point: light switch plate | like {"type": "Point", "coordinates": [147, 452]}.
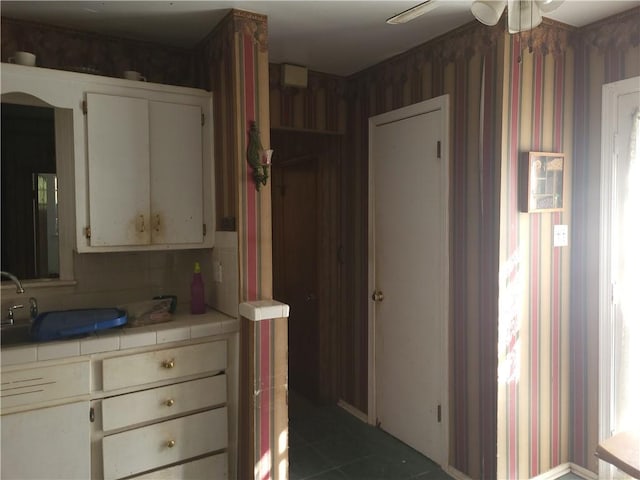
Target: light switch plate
{"type": "Point", "coordinates": [217, 271]}
{"type": "Point", "coordinates": [560, 235]}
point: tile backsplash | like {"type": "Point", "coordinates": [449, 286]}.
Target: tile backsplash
{"type": "Point", "coordinates": [113, 279]}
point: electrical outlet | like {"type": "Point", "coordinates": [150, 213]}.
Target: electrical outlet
{"type": "Point", "coordinates": [560, 235]}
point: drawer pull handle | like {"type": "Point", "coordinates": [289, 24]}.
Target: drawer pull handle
{"type": "Point", "coordinates": [170, 402]}
{"type": "Point", "coordinates": [169, 363]}
{"type": "Point", "coordinates": [171, 443]}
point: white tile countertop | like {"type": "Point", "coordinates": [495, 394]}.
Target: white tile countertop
{"type": "Point", "coordinates": [183, 326]}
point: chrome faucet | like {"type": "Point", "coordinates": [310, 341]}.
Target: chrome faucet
{"type": "Point", "coordinates": [14, 279]}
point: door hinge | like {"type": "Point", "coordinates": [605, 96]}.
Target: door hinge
{"type": "Point", "coordinates": [87, 232]}
{"type": "Point", "coordinates": [84, 107]}
{"type": "Point", "coordinates": [439, 149]}
{"type": "Point", "coordinates": [92, 415]}
{"type": "Point", "coordinates": [202, 119]}
{"type": "Point", "coordinates": [439, 413]}
{"type": "Point", "coordinates": [204, 229]}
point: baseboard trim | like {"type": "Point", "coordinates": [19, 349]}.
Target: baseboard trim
{"type": "Point", "coordinates": [583, 472]}
{"type": "Point", "coordinates": [360, 415]}
{"type": "Point", "coordinates": [555, 472]}
{"type": "Point", "coordinates": [455, 473]}
{"type": "Point", "coordinates": [565, 468]}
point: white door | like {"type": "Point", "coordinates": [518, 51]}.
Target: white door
{"type": "Point", "coordinates": [409, 272]}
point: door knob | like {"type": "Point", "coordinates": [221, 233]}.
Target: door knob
{"type": "Point", "coordinates": [377, 296]}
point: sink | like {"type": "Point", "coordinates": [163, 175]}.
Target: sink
{"type": "Point", "coordinates": [15, 334]}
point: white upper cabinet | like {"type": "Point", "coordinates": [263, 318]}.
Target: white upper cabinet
{"type": "Point", "coordinates": [176, 173]}
{"type": "Point", "coordinates": [118, 168]}
{"type": "Point", "coordinates": [140, 155]}
{"type": "Point", "coordinates": [145, 172]}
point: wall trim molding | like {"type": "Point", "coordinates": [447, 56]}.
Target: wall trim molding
{"type": "Point", "coordinates": [583, 472]}
{"type": "Point", "coordinates": [565, 468]}
{"type": "Point", "coordinates": [552, 474]}
{"type": "Point", "coordinates": [455, 473]}
{"type": "Point", "coordinates": [359, 414]}
{"type": "Point", "coordinates": [555, 472]}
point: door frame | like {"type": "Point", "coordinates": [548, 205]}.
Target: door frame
{"type": "Point", "coordinates": [608, 169]}
{"type": "Point", "coordinates": [440, 103]}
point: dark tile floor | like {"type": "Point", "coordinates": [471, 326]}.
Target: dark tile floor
{"type": "Point", "coordinates": [327, 443]}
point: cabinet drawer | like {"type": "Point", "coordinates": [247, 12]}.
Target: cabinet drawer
{"type": "Point", "coordinates": [167, 364]}
{"type": "Point", "coordinates": [214, 467]}
{"type": "Point", "coordinates": [143, 449]}
{"type": "Point", "coordinates": [41, 384]}
{"type": "Point", "coordinates": [159, 403]}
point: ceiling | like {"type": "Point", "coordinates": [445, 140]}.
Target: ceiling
{"type": "Point", "coordinates": [339, 37]}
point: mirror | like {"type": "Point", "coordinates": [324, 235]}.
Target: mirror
{"type": "Point", "coordinates": [29, 195]}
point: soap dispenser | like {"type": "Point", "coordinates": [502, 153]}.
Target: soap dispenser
{"type": "Point", "coordinates": [197, 291]}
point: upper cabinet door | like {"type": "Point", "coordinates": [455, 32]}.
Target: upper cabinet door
{"type": "Point", "coordinates": [176, 173]}
{"type": "Point", "coordinates": [118, 170]}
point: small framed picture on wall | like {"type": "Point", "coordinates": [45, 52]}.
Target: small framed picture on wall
{"type": "Point", "coordinates": [542, 182]}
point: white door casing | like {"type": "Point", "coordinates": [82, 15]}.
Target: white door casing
{"type": "Point", "coordinates": [409, 266]}
{"type": "Point", "coordinates": [619, 101]}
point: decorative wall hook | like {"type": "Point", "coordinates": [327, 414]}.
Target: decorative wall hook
{"type": "Point", "coordinates": [258, 157]}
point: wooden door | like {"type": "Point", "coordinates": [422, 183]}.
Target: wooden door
{"type": "Point", "coordinates": [409, 274]}
{"type": "Point", "coordinates": [295, 234]}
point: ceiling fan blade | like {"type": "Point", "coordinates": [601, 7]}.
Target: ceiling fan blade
{"type": "Point", "coordinates": [488, 11]}
{"type": "Point", "coordinates": [547, 6]}
{"type": "Point", "coordinates": [413, 12]}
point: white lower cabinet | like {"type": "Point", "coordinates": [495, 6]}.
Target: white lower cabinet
{"type": "Point", "coordinates": [161, 422]}
{"type": "Point", "coordinates": [142, 449]}
{"type": "Point", "coordinates": [46, 432]}
{"type": "Point", "coordinates": [156, 412]}
{"type": "Point", "coordinates": [47, 443]}
{"type": "Point", "coordinates": [214, 466]}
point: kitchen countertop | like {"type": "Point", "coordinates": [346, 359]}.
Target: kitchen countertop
{"type": "Point", "coordinates": [183, 326]}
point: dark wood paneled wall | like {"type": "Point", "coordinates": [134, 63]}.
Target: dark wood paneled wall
{"type": "Point", "coordinates": [326, 149]}
{"type": "Point", "coordinates": [321, 107]}
{"type": "Point", "coordinates": [216, 73]}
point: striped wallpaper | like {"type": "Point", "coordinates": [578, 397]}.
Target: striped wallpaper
{"type": "Point", "coordinates": [239, 79]}
{"type": "Point", "coordinates": [533, 378]}
{"type": "Point", "coordinates": [466, 64]}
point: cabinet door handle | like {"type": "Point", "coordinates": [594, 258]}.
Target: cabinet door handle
{"type": "Point", "coordinates": [171, 443]}
{"type": "Point", "coordinates": [156, 223]}
{"type": "Point", "coordinates": [169, 363]}
{"type": "Point", "coordinates": [140, 224]}
{"type": "Point", "coordinates": [170, 402]}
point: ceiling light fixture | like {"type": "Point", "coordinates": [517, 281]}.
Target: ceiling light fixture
{"type": "Point", "coordinates": [413, 12]}
{"type": "Point", "coordinates": [522, 14]}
